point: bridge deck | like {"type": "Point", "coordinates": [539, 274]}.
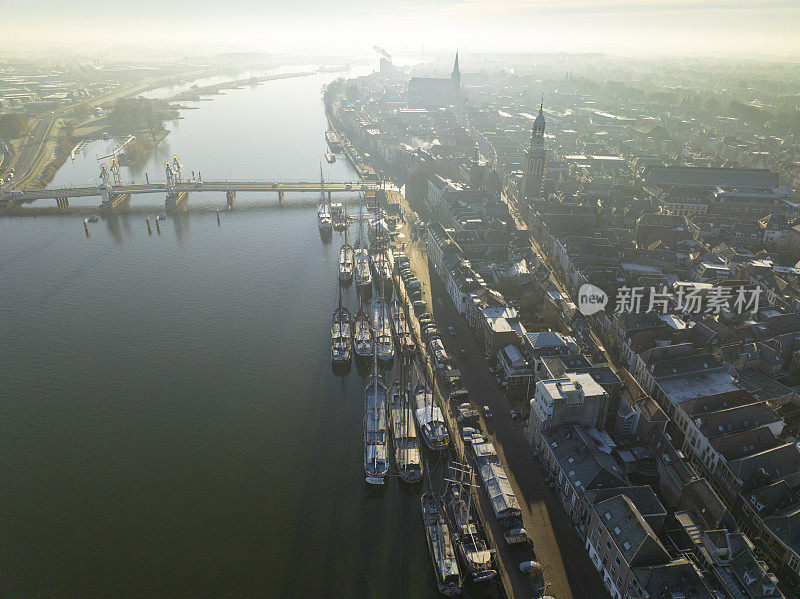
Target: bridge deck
{"type": "Point", "coordinates": [191, 186]}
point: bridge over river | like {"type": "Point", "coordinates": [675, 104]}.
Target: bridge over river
{"type": "Point", "coordinates": [181, 189]}
{"type": "Point", "coordinates": [112, 190]}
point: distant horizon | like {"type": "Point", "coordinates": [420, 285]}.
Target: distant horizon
{"type": "Point", "coordinates": [131, 53]}
{"type": "Point", "coordinates": [691, 28]}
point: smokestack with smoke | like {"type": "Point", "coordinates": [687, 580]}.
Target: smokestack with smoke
{"type": "Point", "coordinates": [382, 52]}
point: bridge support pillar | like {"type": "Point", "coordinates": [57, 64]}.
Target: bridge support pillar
{"type": "Point", "coordinates": [114, 201]}
{"type": "Point", "coordinates": [230, 196]}
{"type": "Point", "coordinates": [329, 197]}
{"type": "Point", "coordinates": [280, 197]}
{"type": "Point", "coordinates": [62, 204]}
{"type": "Point", "coordinates": [176, 200]}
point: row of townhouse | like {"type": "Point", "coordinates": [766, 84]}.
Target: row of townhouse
{"type": "Point", "coordinates": [731, 436]}
{"type": "Point", "coordinates": [617, 521]}
{"type": "Point", "coordinates": [720, 429]}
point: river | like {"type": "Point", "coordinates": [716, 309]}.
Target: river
{"type": "Point", "coordinates": [171, 425]}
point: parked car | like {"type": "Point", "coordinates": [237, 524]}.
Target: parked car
{"type": "Point", "coordinates": [517, 537]}
{"type": "Point", "coordinates": [467, 433]}
{"type": "Point", "coordinates": [487, 411]}
{"type": "Point", "coordinates": [452, 331]}
{"type": "Point", "coordinates": [460, 395]}
{"type": "Point", "coordinates": [513, 414]}
{"type": "Point", "coordinates": [535, 575]}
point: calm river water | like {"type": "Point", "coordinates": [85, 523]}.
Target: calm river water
{"type": "Point", "coordinates": [170, 423]}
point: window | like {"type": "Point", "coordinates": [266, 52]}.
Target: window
{"type": "Point", "coordinates": [794, 563]}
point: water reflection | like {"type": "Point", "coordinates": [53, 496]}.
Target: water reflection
{"type": "Point", "coordinates": [118, 226]}
{"type": "Point", "coordinates": [180, 222]}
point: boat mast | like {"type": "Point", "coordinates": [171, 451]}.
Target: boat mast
{"type": "Point", "coordinates": [442, 559]}
{"type": "Point", "coordinates": [322, 197]}
{"type": "Point", "coordinates": [404, 448]}
{"type": "Point", "coordinates": [339, 310]}
{"type": "Point", "coordinates": [383, 311]}
{"type": "Point", "coordinates": [375, 397]}
{"type": "Point", "coordinates": [428, 390]}
{"type": "Point", "coordinates": [457, 466]}
{"type": "Point", "coordinates": [469, 501]}
{"type": "Point", "coordinates": [360, 224]}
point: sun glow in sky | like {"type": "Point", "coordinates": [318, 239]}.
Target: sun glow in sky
{"type": "Point", "coordinates": [682, 27]}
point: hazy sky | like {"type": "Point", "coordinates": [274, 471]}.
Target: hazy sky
{"type": "Point", "coordinates": [681, 27]}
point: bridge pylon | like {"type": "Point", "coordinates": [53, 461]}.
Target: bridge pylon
{"type": "Point", "coordinates": [230, 196]}
{"type": "Point", "coordinates": [115, 174]}
{"type": "Point", "coordinates": [110, 200]}
{"type": "Point", "coordinates": [175, 198]}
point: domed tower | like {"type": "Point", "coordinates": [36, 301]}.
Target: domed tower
{"type": "Point", "coordinates": [533, 181]}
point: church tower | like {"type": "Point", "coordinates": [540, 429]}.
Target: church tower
{"type": "Point", "coordinates": [533, 181]}
{"type": "Point", "coordinates": [455, 76]}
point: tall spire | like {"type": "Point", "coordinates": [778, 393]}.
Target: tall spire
{"type": "Point", "coordinates": [538, 124]}
{"type": "Point", "coordinates": [456, 74]}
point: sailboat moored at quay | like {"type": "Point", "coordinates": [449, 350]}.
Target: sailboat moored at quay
{"type": "Point", "coordinates": [362, 333]}
{"type": "Point", "coordinates": [405, 443]}
{"type": "Point", "coordinates": [382, 330]}
{"type": "Point", "coordinates": [376, 466]}
{"type": "Point", "coordinates": [440, 546]}
{"type": "Point", "coordinates": [341, 334]}
{"type": "Point", "coordinates": [346, 261]}
{"type": "Point", "coordinates": [465, 530]}
{"type": "Point", "coordinates": [430, 418]}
